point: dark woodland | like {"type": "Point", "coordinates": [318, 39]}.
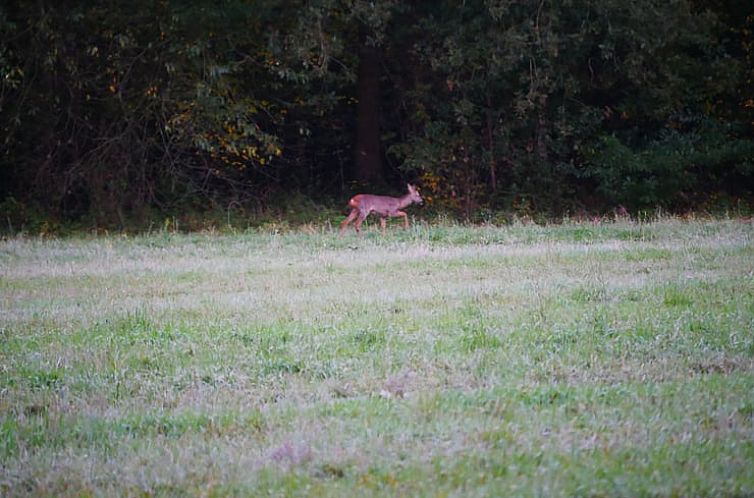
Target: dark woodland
{"type": "Point", "coordinates": [117, 114]}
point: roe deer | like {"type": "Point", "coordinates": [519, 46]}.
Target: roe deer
{"type": "Point", "coordinates": [363, 204]}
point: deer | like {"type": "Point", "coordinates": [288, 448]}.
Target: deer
{"type": "Point", "coordinates": [362, 205]}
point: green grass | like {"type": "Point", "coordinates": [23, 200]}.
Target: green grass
{"type": "Point", "coordinates": [564, 360]}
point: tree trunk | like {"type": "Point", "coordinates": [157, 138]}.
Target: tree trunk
{"type": "Point", "coordinates": [368, 160]}
{"type": "Point", "coordinates": [491, 144]}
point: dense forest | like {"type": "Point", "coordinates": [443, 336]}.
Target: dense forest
{"type": "Point", "coordinates": [121, 112]}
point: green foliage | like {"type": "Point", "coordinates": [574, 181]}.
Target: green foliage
{"type": "Point", "coordinates": [528, 89]}
{"type": "Point", "coordinates": [650, 177]}
{"type": "Point", "coordinates": [671, 170]}
{"type": "Point", "coordinates": [111, 112]}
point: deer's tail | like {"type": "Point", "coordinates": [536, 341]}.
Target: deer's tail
{"type": "Point", "coordinates": [355, 202]}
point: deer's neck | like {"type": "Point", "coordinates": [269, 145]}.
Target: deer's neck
{"type": "Point", "coordinates": [404, 201]}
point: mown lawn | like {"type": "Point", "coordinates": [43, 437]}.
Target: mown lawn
{"type": "Point", "coordinates": [566, 360]}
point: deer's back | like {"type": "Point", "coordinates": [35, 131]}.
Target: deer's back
{"type": "Point", "coordinates": [380, 204]}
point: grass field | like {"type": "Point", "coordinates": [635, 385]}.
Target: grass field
{"type": "Point", "coordinates": [566, 360]}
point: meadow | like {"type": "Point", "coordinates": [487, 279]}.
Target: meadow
{"type": "Point", "coordinates": [577, 359]}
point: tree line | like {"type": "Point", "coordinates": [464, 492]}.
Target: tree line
{"type": "Point", "coordinates": [114, 111]}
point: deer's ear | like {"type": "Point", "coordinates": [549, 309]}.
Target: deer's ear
{"type": "Point", "coordinates": [411, 188]}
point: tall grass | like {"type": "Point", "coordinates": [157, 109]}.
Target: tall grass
{"type": "Point", "coordinates": [577, 359]}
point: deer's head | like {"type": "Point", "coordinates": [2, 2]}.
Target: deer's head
{"type": "Point", "coordinates": [413, 194]}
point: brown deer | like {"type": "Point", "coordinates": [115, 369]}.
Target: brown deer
{"type": "Point", "coordinates": [362, 205]}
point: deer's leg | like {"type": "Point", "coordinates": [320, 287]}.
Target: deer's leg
{"type": "Point", "coordinates": [351, 217]}
{"type": "Point", "coordinates": [405, 217]}
{"type": "Point", "coordinates": [359, 221]}
{"type": "Point", "coordinates": [383, 224]}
